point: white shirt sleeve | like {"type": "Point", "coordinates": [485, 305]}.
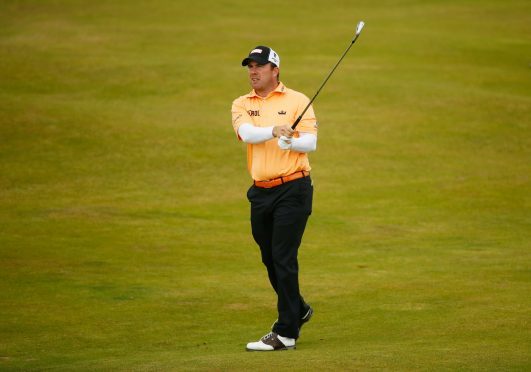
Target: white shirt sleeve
{"type": "Point", "coordinates": [307, 142]}
{"type": "Point", "coordinates": [252, 134]}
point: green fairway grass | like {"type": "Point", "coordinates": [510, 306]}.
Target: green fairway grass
{"type": "Point", "coordinates": [125, 240]}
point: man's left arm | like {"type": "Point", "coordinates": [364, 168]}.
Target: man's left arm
{"type": "Point", "coordinates": [306, 142]}
{"type": "Point", "coordinates": [307, 128]}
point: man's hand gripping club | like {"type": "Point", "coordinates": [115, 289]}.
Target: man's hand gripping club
{"type": "Point", "coordinates": [284, 134]}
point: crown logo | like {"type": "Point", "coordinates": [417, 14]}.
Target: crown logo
{"type": "Point", "coordinates": [282, 112]}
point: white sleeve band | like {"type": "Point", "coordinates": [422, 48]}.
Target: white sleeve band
{"type": "Point", "coordinates": [252, 134]}
{"type": "Point", "coordinates": [307, 142]}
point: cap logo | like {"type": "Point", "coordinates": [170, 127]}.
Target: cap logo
{"type": "Point", "coordinates": [274, 58]}
{"type": "Point", "coordinates": [256, 51]}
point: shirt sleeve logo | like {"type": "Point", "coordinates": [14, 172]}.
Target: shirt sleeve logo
{"type": "Point", "coordinates": [235, 119]}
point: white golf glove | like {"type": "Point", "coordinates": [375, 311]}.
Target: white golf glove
{"type": "Point", "coordinates": [284, 143]}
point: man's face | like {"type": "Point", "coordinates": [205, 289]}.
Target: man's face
{"type": "Point", "coordinates": [262, 77]}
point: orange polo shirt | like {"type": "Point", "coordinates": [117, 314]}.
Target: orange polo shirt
{"type": "Point", "coordinates": [283, 106]}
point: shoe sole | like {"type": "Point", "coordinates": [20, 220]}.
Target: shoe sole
{"type": "Point", "coordinates": [281, 349]}
{"type": "Point", "coordinates": [308, 316]}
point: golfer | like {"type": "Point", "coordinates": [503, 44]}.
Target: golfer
{"type": "Point", "coordinates": [282, 191]}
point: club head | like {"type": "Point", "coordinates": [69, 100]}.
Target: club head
{"type": "Point", "coordinates": [359, 27]}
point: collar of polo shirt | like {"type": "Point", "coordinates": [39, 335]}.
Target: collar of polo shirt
{"type": "Point", "coordinates": [280, 89]}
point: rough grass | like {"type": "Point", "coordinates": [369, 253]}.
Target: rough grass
{"type": "Point", "coordinates": [125, 242]}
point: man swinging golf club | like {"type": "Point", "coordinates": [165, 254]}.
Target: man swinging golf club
{"type": "Point", "coordinates": [281, 196]}
{"type": "Point", "coordinates": [282, 191]}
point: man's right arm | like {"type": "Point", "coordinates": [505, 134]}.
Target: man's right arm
{"type": "Point", "coordinates": [251, 134]}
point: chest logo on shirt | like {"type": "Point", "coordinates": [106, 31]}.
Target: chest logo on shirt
{"type": "Point", "coordinates": [282, 112]}
{"type": "Point", "coordinates": [253, 112]}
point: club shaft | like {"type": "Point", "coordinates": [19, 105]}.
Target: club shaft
{"type": "Point", "coordinates": [323, 84]}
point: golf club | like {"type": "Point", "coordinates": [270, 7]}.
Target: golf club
{"type": "Point", "coordinates": [358, 31]}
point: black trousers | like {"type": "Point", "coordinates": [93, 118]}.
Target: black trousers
{"type": "Point", "coordinates": [278, 220]}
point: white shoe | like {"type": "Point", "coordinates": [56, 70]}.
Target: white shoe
{"type": "Point", "coordinates": [272, 342]}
